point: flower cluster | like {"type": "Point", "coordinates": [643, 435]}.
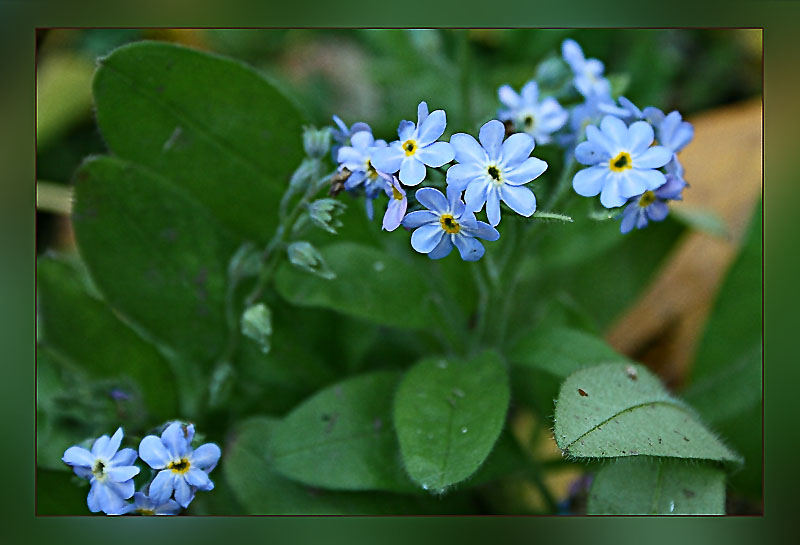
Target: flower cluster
{"type": "Point", "coordinates": [182, 471]}
{"type": "Point", "coordinates": [614, 138]}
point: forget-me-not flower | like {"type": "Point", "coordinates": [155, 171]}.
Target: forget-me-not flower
{"type": "Point", "coordinates": [589, 80]}
{"type": "Point", "coordinates": [144, 505]}
{"type": "Point", "coordinates": [651, 205]}
{"type": "Point", "coordinates": [398, 204]}
{"type": "Point", "coordinates": [445, 224]}
{"type": "Point", "coordinates": [623, 164]}
{"type": "Point", "coordinates": [357, 158]}
{"type": "Point", "coordinates": [539, 119]}
{"type": "Point", "coordinates": [416, 148]}
{"type": "Point", "coordinates": [342, 134]}
{"type": "Point", "coordinates": [109, 472]}
{"type": "Point", "coordinates": [495, 170]}
{"type": "Point", "coordinates": [183, 470]}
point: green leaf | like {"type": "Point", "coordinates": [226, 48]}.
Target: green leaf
{"type": "Point", "coordinates": [342, 438]}
{"type": "Point", "coordinates": [650, 486]}
{"type": "Point", "coordinates": [544, 358]}
{"type": "Point", "coordinates": [448, 415]}
{"type": "Point", "coordinates": [369, 284]}
{"type": "Point", "coordinates": [85, 330]}
{"type": "Point", "coordinates": [622, 409]}
{"type": "Point", "coordinates": [157, 256]}
{"type": "Point", "coordinates": [262, 490]}
{"type": "Point", "coordinates": [213, 126]}
{"type": "Point", "coordinates": [701, 219]}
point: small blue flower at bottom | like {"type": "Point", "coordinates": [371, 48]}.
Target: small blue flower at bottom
{"type": "Point", "coordinates": [445, 224]}
{"type": "Point", "coordinates": [144, 505]}
{"type": "Point", "coordinates": [183, 470]}
{"type": "Point", "coordinates": [651, 205]}
{"type": "Point", "coordinates": [398, 203]}
{"type": "Point", "coordinates": [109, 472]}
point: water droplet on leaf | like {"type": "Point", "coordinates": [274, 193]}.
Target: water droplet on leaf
{"type": "Point", "coordinates": [464, 429]}
{"type": "Point", "coordinates": [378, 266]}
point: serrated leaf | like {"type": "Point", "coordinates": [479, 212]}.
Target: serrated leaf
{"type": "Point", "coordinates": [156, 255]}
{"type": "Point", "coordinates": [369, 284]}
{"type": "Point", "coordinates": [214, 126]}
{"type": "Point", "coordinates": [85, 330]}
{"type": "Point", "coordinates": [448, 415]}
{"type": "Point", "coordinates": [622, 409]}
{"type": "Point", "coordinates": [262, 490]}
{"type": "Point", "coordinates": [651, 486]}
{"type": "Point", "coordinates": [342, 438]}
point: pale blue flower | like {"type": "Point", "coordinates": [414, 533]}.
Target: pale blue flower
{"type": "Point", "coordinates": [589, 80]}
{"type": "Point", "coordinates": [495, 170]}
{"type": "Point", "coordinates": [342, 134]}
{"type": "Point", "coordinates": [109, 472]}
{"type": "Point", "coordinates": [357, 158]}
{"type": "Point", "coordinates": [144, 505]}
{"type": "Point", "coordinates": [398, 204]}
{"type": "Point", "coordinates": [651, 205]}
{"type": "Point", "coordinates": [623, 163]}
{"type": "Point", "coordinates": [445, 224]}
{"type": "Point", "coordinates": [416, 148]}
{"type": "Point", "coordinates": [183, 470]}
{"type": "Point", "coordinates": [540, 119]}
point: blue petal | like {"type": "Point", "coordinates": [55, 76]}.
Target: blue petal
{"type": "Point", "coordinates": [124, 457]}
{"type": "Point", "coordinates": [394, 214]}
{"type": "Point", "coordinates": [640, 136]}
{"type": "Point", "coordinates": [99, 446]}
{"type": "Point", "coordinates": [162, 486]}
{"type": "Point", "coordinates": [436, 154]}
{"type": "Point", "coordinates": [615, 129]}
{"type": "Point", "coordinates": [596, 136]}
{"type": "Point", "coordinates": [491, 137]}
{"type": "Point", "coordinates": [508, 96]}
{"type": "Point", "coordinates": [362, 140]}
{"type": "Point", "coordinates": [650, 179]}
{"type": "Point", "coordinates": [113, 444]}
{"type": "Point", "coordinates": [572, 53]}
{"type": "Point", "coordinates": [154, 453]}
{"type": "Point", "coordinates": [520, 199]}
{"type": "Point", "coordinates": [517, 148]}
{"type": "Point", "coordinates": [432, 199]}
{"type": "Point", "coordinates": [672, 189]}
{"type": "Point", "coordinates": [630, 183]}
{"type": "Point", "coordinates": [493, 207]}
{"type": "Point", "coordinates": [197, 477]}
{"type": "Point", "coordinates": [388, 160]}
{"type": "Point", "coordinates": [469, 248]}
{"type": "Point", "coordinates": [183, 492]}
{"type": "Point", "coordinates": [461, 174]}
{"type": "Point", "coordinates": [123, 489]}
{"type": "Point", "coordinates": [422, 112]}
{"type": "Point", "coordinates": [412, 171]}
{"type": "Point", "coordinates": [530, 93]}
{"type": "Point", "coordinates": [629, 218]}
{"type": "Point", "coordinates": [655, 157]}
{"type": "Point", "coordinates": [121, 474]}
{"type": "Point", "coordinates": [171, 507]}
{"type": "Point", "coordinates": [657, 211]}
{"type": "Point", "coordinates": [589, 181]}
{"type": "Point", "coordinates": [432, 128]}
{"type": "Point", "coordinates": [531, 169]}
{"type": "Point", "coordinates": [406, 130]}
{"type": "Point", "coordinates": [206, 456]}
{"type": "Point", "coordinates": [419, 218]}
{"type": "Point", "coordinates": [590, 153]}
{"type": "Point", "coordinates": [481, 229]}
{"type": "Point", "coordinates": [475, 195]}
{"type": "Point", "coordinates": [425, 239]}
{"type": "Point", "coordinates": [103, 498]}
{"type": "Point", "coordinates": [467, 150]}
{"type": "Point", "coordinates": [78, 456]}
{"type": "Point", "coordinates": [610, 197]}
{"type": "Point", "coordinates": [175, 440]}
{"type": "Point", "coordinates": [442, 249]}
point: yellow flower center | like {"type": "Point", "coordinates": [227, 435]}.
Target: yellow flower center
{"type": "Point", "coordinates": [410, 146]}
{"type": "Point", "coordinates": [396, 195]}
{"type": "Point", "coordinates": [449, 224]}
{"type": "Point", "coordinates": [371, 172]}
{"type": "Point", "coordinates": [99, 470]}
{"type": "Point", "coordinates": [621, 162]}
{"type": "Point", "coordinates": [146, 512]}
{"type": "Point", "coordinates": [181, 466]}
{"type": "Point", "coordinates": [528, 121]}
{"type": "Point", "coordinates": [647, 198]}
{"type": "Point", "coordinates": [495, 174]}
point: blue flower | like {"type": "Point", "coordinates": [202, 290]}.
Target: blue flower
{"type": "Point", "coordinates": [416, 148]}
{"type": "Point", "coordinates": [357, 158]}
{"type": "Point", "coordinates": [109, 472]}
{"type": "Point", "coordinates": [495, 170]}
{"type": "Point", "coordinates": [183, 470]}
{"type": "Point", "coordinates": [445, 224]}
{"type": "Point", "coordinates": [651, 205]}
{"type": "Point", "coordinates": [539, 119]}
{"type": "Point", "coordinates": [398, 204]}
{"type": "Point", "coordinates": [341, 134]}
{"type": "Point", "coordinates": [623, 163]}
{"type": "Point", "coordinates": [589, 80]}
{"type": "Point", "coordinates": [144, 505]}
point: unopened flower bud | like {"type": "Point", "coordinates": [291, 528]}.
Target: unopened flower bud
{"type": "Point", "coordinates": [304, 256]}
{"type": "Point", "coordinates": [324, 212]}
{"type": "Point", "coordinates": [316, 142]}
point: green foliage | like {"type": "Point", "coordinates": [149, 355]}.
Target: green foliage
{"type": "Point", "coordinates": [448, 414]}
{"type": "Point", "coordinates": [649, 486]}
{"type": "Point", "coordinates": [622, 409]}
{"type": "Point", "coordinates": [213, 126]}
{"type": "Point", "coordinates": [369, 284]}
{"type": "Point", "coordinates": [342, 438]}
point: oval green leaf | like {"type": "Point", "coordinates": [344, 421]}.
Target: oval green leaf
{"type": "Point", "coordinates": [369, 284]}
{"type": "Point", "coordinates": [342, 438]}
{"type": "Point", "coordinates": [622, 409]}
{"type": "Point", "coordinates": [214, 126]}
{"type": "Point", "coordinates": [156, 255]}
{"type": "Point", "coordinates": [448, 415]}
{"type": "Point", "coordinates": [651, 486]}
